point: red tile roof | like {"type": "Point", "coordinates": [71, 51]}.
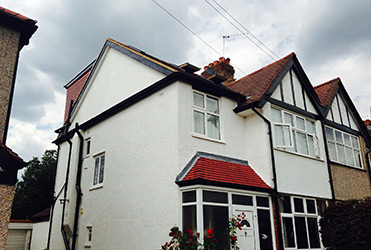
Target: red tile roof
{"type": "Point", "coordinates": [224, 172]}
{"type": "Point", "coordinates": [256, 84]}
{"type": "Point", "coordinates": [14, 14]}
{"type": "Point", "coordinates": [326, 91]}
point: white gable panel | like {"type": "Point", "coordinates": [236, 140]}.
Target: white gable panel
{"type": "Point", "coordinates": [277, 93]}
{"type": "Point", "coordinates": [287, 89]}
{"type": "Point", "coordinates": [116, 78]}
{"type": "Point", "coordinates": [353, 123]}
{"type": "Point", "coordinates": [343, 111]}
{"type": "Point", "coordinates": [335, 110]}
{"type": "Point", "coordinates": [329, 116]}
{"type": "Point", "coordinates": [309, 104]}
{"type": "Point", "coordinates": [298, 92]}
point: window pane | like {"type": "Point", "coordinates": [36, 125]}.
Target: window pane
{"type": "Point", "coordinates": [242, 200]}
{"type": "Point", "coordinates": [199, 122]}
{"type": "Point", "coordinates": [313, 232]}
{"type": "Point", "coordinates": [198, 100]}
{"type": "Point", "coordinates": [349, 154]}
{"type": "Point", "coordinates": [347, 140]}
{"type": "Point", "coordinates": [285, 204]}
{"type": "Point", "coordinates": [213, 127]}
{"type": "Point", "coordinates": [276, 115]}
{"type": "Point", "coordinates": [357, 156]}
{"type": "Point", "coordinates": [101, 171]}
{"type": "Point", "coordinates": [88, 147]}
{"type": "Point", "coordinates": [310, 127]}
{"type": "Point", "coordinates": [338, 136]}
{"type": "Point", "coordinates": [96, 169]}
{"type": "Point", "coordinates": [331, 148]}
{"type": "Point", "coordinates": [189, 196]}
{"type": "Point", "coordinates": [216, 217]}
{"type": "Point", "coordinates": [282, 135]}
{"type": "Point", "coordinates": [265, 230]}
{"type": "Point", "coordinates": [341, 153]}
{"type": "Point", "coordinates": [211, 196]}
{"type": "Point", "coordinates": [262, 201]}
{"type": "Point", "coordinates": [311, 207]}
{"type": "Point", "coordinates": [298, 204]}
{"type": "Point", "coordinates": [330, 134]}
{"type": "Point", "coordinates": [289, 119]}
{"type": "Point", "coordinates": [321, 206]}
{"type": "Point", "coordinates": [288, 231]}
{"type": "Point", "coordinates": [311, 145]}
{"type": "Point", "coordinates": [212, 105]}
{"type": "Point", "coordinates": [189, 218]}
{"type": "Point", "coordinates": [355, 142]}
{"type": "Point", "coordinates": [300, 123]}
{"type": "Point", "coordinates": [301, 232]}
{"type": "Point", "coordinates": [302, 143]}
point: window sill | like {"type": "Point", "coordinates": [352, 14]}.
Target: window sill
{"type": "Point", "coordinates": [207, 139]}
{"type": "Point", "coordinates": [347, 166]}
{"type": "Point", "coordinates": [97, 186]}
{"type": "Point", "coordinates": [87, 245]}
{"type": "Point", "coordinates": [298, 154]}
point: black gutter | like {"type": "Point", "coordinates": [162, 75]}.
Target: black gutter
{"type": "Point", "coordinates": [52, 207]}
{"type": "Point", "coordinates": [63, 231]}
{"type": "Point", "coordinates": [78, 188]}
{"type": "Point", "coordinates": [274, 194]}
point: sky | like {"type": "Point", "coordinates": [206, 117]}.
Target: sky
{"type": "Point", "coordinates": [330, 38]}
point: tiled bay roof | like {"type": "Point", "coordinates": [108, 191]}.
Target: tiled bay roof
{"type": "Point", "coordinates": [216, 170]}
{"type": "Point", "coordinates": [256, 84]}
{"type": "Point", "coordinates": [326, 91]}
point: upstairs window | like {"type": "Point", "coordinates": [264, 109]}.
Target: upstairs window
{"type": "Point", "coordinates": [294, 133]}
{"type": "Point", "coordinates": [343, 148]}
{"type": "Point", "coordinates": [206, 117]}
{"type": "Point", "coordinates": [99, 169]}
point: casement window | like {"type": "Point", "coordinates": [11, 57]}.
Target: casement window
{"type": "Point", "coordinates": [343, 148]}
{"type": "Point", "coordinates": [203, 209]}
{"type": "Point", "coordinates": [206, 115]}
{"type": "Point", "coordinates": [99, 162]}
{"type": "Point", "coordinates": [300, 218]}
{"type": "Point", "coordinates": [294, 133]}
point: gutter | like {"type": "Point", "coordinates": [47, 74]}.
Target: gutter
{"type": "Point", "coordinates": [78, 187]}
{"type": "Point", "coordinates": [274, 194]}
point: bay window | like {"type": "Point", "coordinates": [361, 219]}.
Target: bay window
{"type": "Point", "coordinates": [343, 148]}
{"type": "Point", "coordinates": [206, 117]}
{"type": "Point", "coordinates": [294, 133]}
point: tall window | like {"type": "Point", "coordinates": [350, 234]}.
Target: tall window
{"type": "Point", "coordinates": [343, 148]}
{"type": "Point", "coordinates": [300, 222]}
{"type": "Point", "coordinates": [206, 117]}
{"type": "Point", "coordinates": [99, 169]}
{"type": "Point", "coordinates": [294, 133]}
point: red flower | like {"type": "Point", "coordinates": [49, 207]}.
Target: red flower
{"type": "Point", "coordinates": [208, 236]}
{"type": "Point", "coordinates": [234, 238]}
{"type": "Point", "coordinates": [190, 232]}
{"type": "Point", "coordinates": [198, 234]}
{"type": "Point", "coordinates": [210, 231]}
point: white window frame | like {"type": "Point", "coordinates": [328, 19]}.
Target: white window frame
{"type": "Point", "coordinates": [305, 215]}
{"type": "Point", "coordinates": [294, 130]}
{"type": "Point", "coordinates": [205, 112]}
{"type": "Point", "coordinates": [98, 169]}
{"type": "Point", "coordinates": [353, 149]}
{"type": "Point", "coordinates": [87, 146]}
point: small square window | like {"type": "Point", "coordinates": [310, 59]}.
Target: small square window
{"type": "Point", "coordinates": [211, 196]}
{"type": "Point", "coordinates": [262, 201]}
{"type": "Point", "coordinates": [298, 204]}
{"type": "Point", "coordinates": [88, 142]}
{"type": "Point", "coordinates": [189, 196]}
{"type": "Point", "coordinates": [242, 200]}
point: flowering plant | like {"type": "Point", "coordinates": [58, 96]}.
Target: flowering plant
{"type": "Point", "coordinates": [189, 241]}
{"type": "Point", "coordinates": [233, 225]}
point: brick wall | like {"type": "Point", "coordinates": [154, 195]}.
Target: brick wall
{"type": "Point", "coordinates": [8, 57]}
{"type": "Point", "coordinates": [6, 201]}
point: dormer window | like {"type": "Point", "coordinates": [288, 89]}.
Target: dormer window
{"type": "Point", "coordinates": [294, 133]}
{"type": "Point", "coordinates": [206, 117]}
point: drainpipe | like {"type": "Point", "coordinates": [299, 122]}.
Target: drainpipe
{"type": "Point", "coordinates": [52, 207]}
{"type": "Point", "coordinates": [368, 163]}
{"type": "Point", "coordinates": [275, 189]}
{"type": "Point", "coordinates": [63, 231]}
{"type": "Point", "coordinates": [78, 187]}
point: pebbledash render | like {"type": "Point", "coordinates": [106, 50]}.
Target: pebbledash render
{"type": "Point", "coordinates": [147, 145]}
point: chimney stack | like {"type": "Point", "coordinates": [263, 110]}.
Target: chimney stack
{"type": "Point", "coordinates": [221, 68]}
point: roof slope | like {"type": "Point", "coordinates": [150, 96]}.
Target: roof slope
{"type": "Point", "coordinates": [256, 84]}
{"type": "Point", "coordinates": [214, 169]}
{"type": "Point", "coordinates": [326, 91]}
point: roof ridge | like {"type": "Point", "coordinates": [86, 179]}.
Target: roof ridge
{"type": "Point", "coordinates": [325, 83]}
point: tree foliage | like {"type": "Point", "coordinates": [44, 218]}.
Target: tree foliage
{"type": "Point", "coordinates": [34, 192]}
{"type": "Point", "coordinates": [347, 225]}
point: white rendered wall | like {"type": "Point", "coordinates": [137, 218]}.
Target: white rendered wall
{"type": "Point", "coordinates": [39, 239]}
{"type": "Point", "coordinates": [116, 78]}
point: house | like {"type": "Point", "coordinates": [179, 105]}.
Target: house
{"type": "Point", "coordinates": [147, 145]}
{"type": "Point", "coordinates": [15, 32]}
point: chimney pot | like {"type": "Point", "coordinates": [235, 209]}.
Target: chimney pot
{"type": "Point", "coordinates": [210, 64]}
{"type": "Point", "coordinates": [205, 67]}
{"type": "Point", "coordinates": [227, 60]}
{"type": "Point", "coordinates": [216, 62]}
{"type": "Point", "coordinates": [221, 59]}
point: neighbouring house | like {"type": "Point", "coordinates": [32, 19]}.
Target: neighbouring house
{"type": "Point", "coordinates": [19, 235]}
{"type": "Point", "coordinates": [147, 145]}
{"type": "Point", "coordinates": [15, 32]}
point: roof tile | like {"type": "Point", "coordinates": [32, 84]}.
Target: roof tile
{"type": "Point", "coordinates": [326, 91]}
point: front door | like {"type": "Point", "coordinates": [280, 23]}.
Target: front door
{"type": "Point", "coordinates": [245, 236]}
